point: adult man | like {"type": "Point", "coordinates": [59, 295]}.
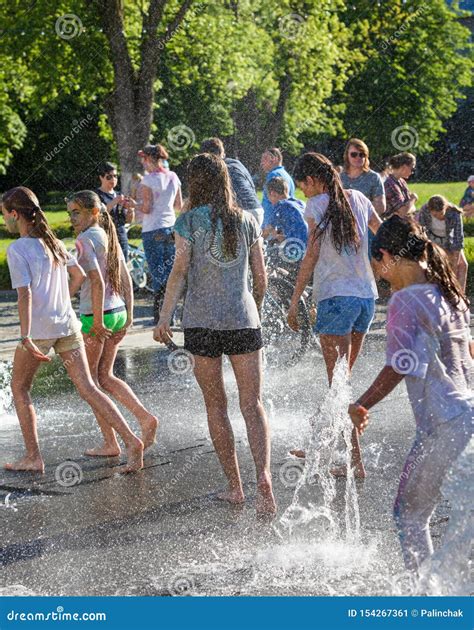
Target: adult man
{"type": "Point", "coordinates": [242, 182]}
{"type": "Point", "coordinates": [272, 164]}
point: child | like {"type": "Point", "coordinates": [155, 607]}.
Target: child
{"type": "Point", "coordinates": [444, 226]}
{"type": "Point", "coordinates": [344, 285]}
{"type": "Point", "coordinates": [37, 262]}
{"type": "Point", "coordinates": [106, 308]}
{"type": "Point", "coordinates": [467, 201]}
{"type": "Point", "coordinates": [286, 222]}
{"type": "Point", "coordinates": [428, 343]}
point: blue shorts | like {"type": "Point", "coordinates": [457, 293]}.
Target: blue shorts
{"type": "Point", "coordinates": [342, 315]}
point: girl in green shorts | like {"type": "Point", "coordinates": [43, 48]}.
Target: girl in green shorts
{"type": "Point", "coordinates": [106, 311]}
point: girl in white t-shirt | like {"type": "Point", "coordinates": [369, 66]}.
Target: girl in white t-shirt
{"type": "Point", "coordinates": [106, 308]}
{"type": "Point", "coordinates": [430, 346]}
{"type": "Point", "coordinates": [37, 262]}
{"type": "Point", "coordinates": [337, 259]}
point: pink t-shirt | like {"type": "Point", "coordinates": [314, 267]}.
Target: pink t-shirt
{"type": "Point", "coordinates": [428, 342]}
{"type": "Point", "coordinates": [164, 186]}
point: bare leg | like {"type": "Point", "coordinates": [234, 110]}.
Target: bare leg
{"type": "Point", "coordinates": [462, 269]}
{"type": "Point", "coordinates": [248, 374]}
{"type": "Point", "coordinates": [110, 447]}
{"type": "Point", "coordinates": [122, 392]}
{"type": "Point", "coordinates": [24, 369]}
{"type": "Point", "coordinates": [77, 366]}
{"type": "Point", "coordinates": [209, 376]}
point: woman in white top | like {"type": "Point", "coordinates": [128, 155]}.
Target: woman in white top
{"type": "Point", "coordinates": [337, 254]}
{"type": "Point", "coordinates": [161, 197]}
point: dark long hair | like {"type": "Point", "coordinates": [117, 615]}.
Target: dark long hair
{"type": "Point", "coordinates": [88, 199]}
{"type": "Point", "coordinates": [26, 203]}
{"type": "Point", "coordinates": [404, 238]}
{"type": "Point", "coordinates": [339, 215]}
{"type": "Point", "coordinates": [209, 185]}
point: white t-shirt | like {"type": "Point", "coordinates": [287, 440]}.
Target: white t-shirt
{"type": "Point", "coordinates": [438, 227]}
{"type": "Point", "coordinates": [348, 273]}
{"type": "Point", "coordinates": [164, 186]}
{"type": "Point", "coordinates": [428, 342]}
{"type": "Point", "coordinates": [92, 246]}
{"type": "Point", "coordinates": [31, 264]}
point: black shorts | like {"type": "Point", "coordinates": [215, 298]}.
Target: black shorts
{"type": "Point", "coordinates": [206, 342]}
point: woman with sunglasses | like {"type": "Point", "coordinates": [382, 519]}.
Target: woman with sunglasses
{"type": "Point", "coordinates": [357, 174]}
{"type": "Point", "coordinates": [118, 206]}
{"type": "Point", "coordinates": [399, 199]}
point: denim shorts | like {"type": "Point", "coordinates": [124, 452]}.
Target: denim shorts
{"type": "Point", "coordinates": [343, 314]}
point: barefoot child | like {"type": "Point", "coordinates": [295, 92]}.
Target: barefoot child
{"type": "Point", "coordinates": [428, 344]}
{"type": "Point", "coordinates": [37, 262]}
{"type": "Point", "coordinates": [106, 308]}
{"type": "Point", "coordinates": [343, 286]}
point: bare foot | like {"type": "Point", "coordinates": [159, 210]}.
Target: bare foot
{"type": "Point", "coordinates": [298, 452]}
{"type": "Point", "coordinates": [341, 471]}
{"type": "Point", "coordinates": [134, 457]}
{"type": "Point", "coordinates": [149, 425]}
{"type": "Point", "coordinates": [265, 504]}
{"type": "Point", "coordinates": [232, 496]}
{"type": "Point", "coordinates": [27, 464]}
{"type": "Point", "coordinates": [103, 451]}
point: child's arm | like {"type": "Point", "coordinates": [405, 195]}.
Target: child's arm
{"type": "Point", "coordinates": [24, 313]}
{"type": "Point", "coordinates": [305, 275]}
{"type": "Point", "coordinates": [97, 295]}
{"type": "Point", "coordinates": [385, 382]}
{"type": "Point", "coordinates": [147, 200]}
{"type": "Point", "coordinates": [77, 276]}
{"type": "Point", "coordinates": [127, 291]}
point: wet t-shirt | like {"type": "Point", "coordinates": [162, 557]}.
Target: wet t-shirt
{"type": "Point", "coordinates": [91, 246]}
{"type": "Point", "coordinates": [218, 295]}
{"type": "Point", "coordinates": [428, 342]}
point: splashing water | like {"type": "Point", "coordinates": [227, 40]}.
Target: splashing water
{"type": "Point", "coordinates": [313, 508]}
{"type": "Point", "coordinates": [6, 397]}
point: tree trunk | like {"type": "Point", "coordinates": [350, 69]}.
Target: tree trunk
{"type": "Point", "coordinates": [130, 107]}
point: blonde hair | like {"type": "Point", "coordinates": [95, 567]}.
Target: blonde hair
{"type": "Point", "coordinates": [358, 144]}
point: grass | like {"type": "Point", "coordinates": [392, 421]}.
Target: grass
{"type": "Point", "coordinates": [59, 221]}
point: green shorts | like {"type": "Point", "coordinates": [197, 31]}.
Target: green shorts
{"type": "Point", "coordinates": [114, 320]}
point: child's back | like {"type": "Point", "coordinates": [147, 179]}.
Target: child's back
{"type": "Point", "coordinates": [428, 342]}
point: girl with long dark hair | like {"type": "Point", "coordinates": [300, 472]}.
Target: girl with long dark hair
{"type": "Point", "coordinates": [337, 257]}
{"type": "Point", "coordinates": [216, 243]}
{"type": "Point", "coordinates": [430, 346]}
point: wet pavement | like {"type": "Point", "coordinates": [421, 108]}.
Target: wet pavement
{"type": "Point", "coordinates": [163, 531]}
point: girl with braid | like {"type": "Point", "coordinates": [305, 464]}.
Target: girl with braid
{"type": "Point", "coordinates": [39, 265]}
{"type": "Point", "coordinates": [430, 346]}
{"type": "Point", "coordinates": [337, 258]}
{"type": "Point", "coordinates": [106, 312]}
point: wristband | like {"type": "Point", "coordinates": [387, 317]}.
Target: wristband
{"type": "Point", "coordinates": [25, 338]}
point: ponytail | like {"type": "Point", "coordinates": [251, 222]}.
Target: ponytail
{"type": "Point", "coordinates": [25, 202]}
{"type": "Point", "coordinates": [339, 214]}
{"type": "Point", "coordinates": [439, 272]}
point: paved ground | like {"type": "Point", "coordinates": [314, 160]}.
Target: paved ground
{"type": "Point", "coordinates": [163, 531]}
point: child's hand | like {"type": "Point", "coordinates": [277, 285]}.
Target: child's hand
{"type": "Point", "coordinates": [100, 331]}
{"type": "Point", "coordinates": [163, 332]}
{"type": "Point", "coordinates": [359, 416]}
{"type": "Point", "coordinates": [292, 318]}
{"type": "Point", "coordinates": [33, 349]}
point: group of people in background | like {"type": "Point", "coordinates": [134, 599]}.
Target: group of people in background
{"type": "Point", "coordinates": [355, 227]}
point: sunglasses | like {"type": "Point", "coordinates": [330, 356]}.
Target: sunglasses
{"type": "Point", "coordinates": [355, 154]}
{"type": "Point", "coordinates": [109, 176]}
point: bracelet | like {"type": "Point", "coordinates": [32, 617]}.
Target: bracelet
{"type": "Point", "coordinates": [25, 338]}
